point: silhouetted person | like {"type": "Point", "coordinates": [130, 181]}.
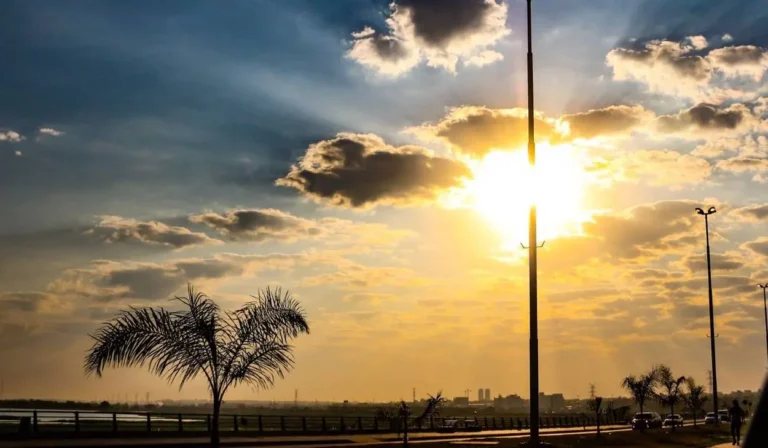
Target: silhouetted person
{"type": "Point", "coordinates": [737, 418]}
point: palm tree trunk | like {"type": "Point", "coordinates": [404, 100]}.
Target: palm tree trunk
{"type": "Point", "coordinates": [215, 440]}
{"type": "Point", "coordinates": [672, 412]}
{"type": "Point", "coordinates": [694, 417]}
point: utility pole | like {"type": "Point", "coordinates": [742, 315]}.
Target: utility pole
{"type": "Point", "coordinates": [467, 392]}
{"type": "Point", "coordinates": [414, 395]}
{"type": "Point", "coordinates": [296, 398]}
{"type": "Point", "coordinates": [591, 391]}
{"type": "Point", "coordinates": [532, 246]}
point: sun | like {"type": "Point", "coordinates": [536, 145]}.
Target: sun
{"type": "Point", "coordinates": [504, 186]}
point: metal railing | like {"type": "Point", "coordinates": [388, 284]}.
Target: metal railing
{"type": "Point", "coordinates": [42, 422]}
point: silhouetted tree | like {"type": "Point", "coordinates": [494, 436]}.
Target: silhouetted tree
{"type": "Point", "coordinates": [595, 405]}
{"type": "Point", "coordinates": [695, 398]}
{"type": "Point", "coordinates": [248, 346]}
{"type": "Point", "coordinates": [671, 393]}
{"type": "Point", "coordinates": [641, 388]}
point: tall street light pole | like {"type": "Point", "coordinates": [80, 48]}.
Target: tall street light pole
{"type": "Point", "coordinates": [765, 306]}
{"type": "Point", "coordinates": [706, 214]}
{"type": "Point", "coordinates": [532, 246]}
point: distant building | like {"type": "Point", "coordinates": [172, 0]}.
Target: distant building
{"type": "Point", "coordinates": [461, 401]}
{"type": "Point", "coordinates": [510, 402]}
{"type": "Point", "coordinates": [480, 395]}
{"type": "Point", "coordinates": [551, 403]}
{"type": "Point", "coordinates": [487, 395]}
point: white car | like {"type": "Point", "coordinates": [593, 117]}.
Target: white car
{"type": "Point", "coordinates": [724, 416]}
{"type": "Point", "coordinates": [673, 420]}
{"type": "Point", "coordinates": [710, 418]}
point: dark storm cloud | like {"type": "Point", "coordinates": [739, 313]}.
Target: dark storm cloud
{"type": "Point", "coordinates": [360, 170]}
{"type": "Point", "coordinates": [258, 225]}
{"type": "Point", "coordinates": [114, 229]}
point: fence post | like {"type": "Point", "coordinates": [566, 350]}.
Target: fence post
{"type": "Point", "coordinates": [77, 421]}
{"type": "Point", "coordinates": [149, 422]}
{"type": "Point", "coordinates": [261, 428]}
{"type": "Point", "coordinates": [208, 422]}
{"type": "Point", "coordinates": [34, 421]}
{"type": "Point", "coordinates": [375, 424]}
{"type": "Point", "coordinates": [341, 424]}
{"type": "Point", "coordinates": [282, 423]}
{"type": "Point", "coordinates": [114, 422]}
{"type": "Point", "coordinates": [304, 424]}
{"type": "Point", "coordinates": [234, 420]}
{"type": "Point", "coordinates": [181, 424]}
{"type": "Point", "coordinates": [323, 424]}
{"type": "Point", "coordinates": [485, 422]}
{"type": "Point", "coordinates": [431, 422]}
{"type": "Point", "coordinates": [359, 423]}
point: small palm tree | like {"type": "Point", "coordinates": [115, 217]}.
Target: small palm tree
{"type": "Point", "coordinates": [595, 405]}
{"type": "Point", "coordinates": [671, 393]}
{"type": "Point", "coordinates": [695, 398]}
{"type": "Point", "coordinates": [247, 346]}
{"type": "Point", "coordinates": [641, 388]}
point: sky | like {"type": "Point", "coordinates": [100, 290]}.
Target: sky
{"type": "Point", "coordinates": [370, 158]}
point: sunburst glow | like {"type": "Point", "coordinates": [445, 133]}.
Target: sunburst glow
{"type": "Point", "coordinates": [505, 185]}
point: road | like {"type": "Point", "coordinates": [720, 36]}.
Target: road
{"type": "Point", "coordinates": [295, 441]}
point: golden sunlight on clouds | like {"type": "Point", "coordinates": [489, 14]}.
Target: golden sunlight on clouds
{"type": "Point", "coordinates": [504, 186]}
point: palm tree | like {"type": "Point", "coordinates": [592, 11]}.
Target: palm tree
{"type": "Point", "coordinates": [641, 388]}
{"type": "Point", "coordinates": [248, 346]}
{"type": "Point", "coordinates": [594, 405]}
{"type": "Point", "coordinates": [671, 393]}
{"type": "Point", "coordinates": [695, 398]}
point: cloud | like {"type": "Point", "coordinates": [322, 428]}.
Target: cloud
{"type": "Point", "coordinates": [746, 60]}
{"type": "Point", "coordinates": [752, 213]}
{"type": "Point", "coordinates": [727, 37]}
{"type": "Point", "coordinates": [107, 281]}
{"type": "Point", "coordinates": [646, 230]}
{"type": "Point", "coordinates": [441, 34]}
{"type": "Point", "coordinates": [10, 136]}
{"type": "Point", "coordinates": [719, 262]}
{"type": "Point", "coordinates": [361, 170]}
{"type": "Point", "coordinates": [356, 276]}
{"type": "Point", "coordinates": [758, 246]}
{"type": "Point", "coordinates": [258, 225]}
{"type": "Point", "coordinates": [477, 130]}
{"type": "Point", "coordinates": [18, 153]}
{"type": "Point", "coordinates": [32, 302]}
{"type": "Point", "coordinates": [113, 229]}
{"type": "Point", "coordinates": [677, 68]}
{"type": "Point", "coordinates": [707, 118]}
{"type": "Point", "coordinates": [656, 167]}
{"type": "Point", "coordinates": [611, 120]}
{"type": "Point", "coordinates": [743, 164]}
{"type": "Point", "coordinates": [50, 131]}
{"type": "Point", "coordinates": [698, 42]}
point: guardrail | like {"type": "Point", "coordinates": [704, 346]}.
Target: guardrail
{"type": "Point", "coordinates": [57, 422]}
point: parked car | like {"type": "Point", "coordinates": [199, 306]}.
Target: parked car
{"type": "Point", "coordinates": [710, 418]}
{"type": "Point", "coordinates": [724, 416]}
{"type": "Point", "coordinates": [644, 420]}
{"type": "Point", "coordinates": [472, 425]}
{"type": "Point", "coordinates": [673, 420]}
{"type": "Point", "coordinates": [448, 426]}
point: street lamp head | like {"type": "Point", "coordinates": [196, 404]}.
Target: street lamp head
{"type": "Point", "coordinates": [711, 210]}
{"type": "Point", "coordinates": [699, 211]}
{"type": "Point", "coordinates": [762, 286]}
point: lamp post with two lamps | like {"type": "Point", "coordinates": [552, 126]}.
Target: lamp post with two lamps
{"type": "Point", "coordinates": [706, 214]}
